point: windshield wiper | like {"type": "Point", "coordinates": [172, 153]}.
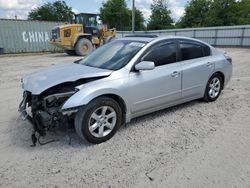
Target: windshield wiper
{"type": "Point", "coordinates": [78, 61]}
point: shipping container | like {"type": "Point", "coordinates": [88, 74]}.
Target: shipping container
{"type": "Point", "coordinates": [18, 36]}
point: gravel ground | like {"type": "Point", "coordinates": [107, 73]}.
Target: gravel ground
{"type": "Point", "coordinates": [196, 144]}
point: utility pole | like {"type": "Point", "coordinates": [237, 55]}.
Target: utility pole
{"type": "Point", "coordinates": [133, 16]}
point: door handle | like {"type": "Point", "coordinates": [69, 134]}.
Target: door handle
{"type": "Point", "coordinates": [209, 64]}
{"type": "Point", "coordinates": [175, 74]}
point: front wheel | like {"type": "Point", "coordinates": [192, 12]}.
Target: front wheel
{"type": "Point", "coordinates": [83, 47]}
{"type": "Point", "coordinates": [99, 120]}
{"type": "Point", "coordinates": [213, 88]}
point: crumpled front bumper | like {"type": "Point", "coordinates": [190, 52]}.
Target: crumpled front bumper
{"type": "Point", "coordinates": [23, 106]}
{"type": "Point", "coordinates": [22, 109]}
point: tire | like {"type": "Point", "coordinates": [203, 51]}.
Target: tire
{"type": "Point", "coordinates": [70, 52]}
{"type": "Point", "coordinates": [87, 118]}
{"type": "Point", "coordinates": [83, 47]}
{"type": "Point", "coordinates": [213, 88]}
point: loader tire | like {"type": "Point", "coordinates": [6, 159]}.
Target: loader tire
{"type": "Point", "coordinates": [83, 47]}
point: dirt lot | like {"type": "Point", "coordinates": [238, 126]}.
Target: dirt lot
{"type": "Point", "coordinates": [192, 145]}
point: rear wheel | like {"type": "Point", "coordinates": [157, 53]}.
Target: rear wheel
{"type": "Point", "coordinates": [83, 47]}
{"type": "Point", "coordinates": [214, 87]}
{"type": "Point", "coordinates": [70, 52]}
{"type": "Point", "coordinates": [99, 120]}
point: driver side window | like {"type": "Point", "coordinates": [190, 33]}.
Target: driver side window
{"type": "Point", "coordinates": [162, 54]}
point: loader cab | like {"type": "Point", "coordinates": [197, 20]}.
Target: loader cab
{"type": "Point", "coordinates": [89, 22]}
{"type": "Point", "coordinates": [87, 19]}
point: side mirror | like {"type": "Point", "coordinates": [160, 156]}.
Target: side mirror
{"type": "Point", "coordinates": [145, 65]}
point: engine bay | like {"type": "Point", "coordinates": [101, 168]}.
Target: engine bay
{"type": "Point", "coordinates": [46, 108]}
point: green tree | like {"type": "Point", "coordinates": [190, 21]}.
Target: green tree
{"type": "Point", "coordinates": [223, 13]}
{"type": "Point", "coordinates": [205, 13]}
{"type": "Point", "coordinates": [160, 16]}
{"type": "Point", "coordinates": [139, 20]}
{"type": "Point", "coordinates": [195, 14]}
{"type": "Point", "coordinates": [115, 13]}
{"type": "Point", "coordinates": [56, 11]}
{"type": "Point", "coordinates": [244, 12]}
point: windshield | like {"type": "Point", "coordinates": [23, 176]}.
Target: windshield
{"type": "Point", "coordinates": [113, 56]}
{"type": "Point", "coordinates": [87, 20]}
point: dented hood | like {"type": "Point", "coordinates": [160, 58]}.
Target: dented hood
{"type": "Point", "coordinates": [40, 81]}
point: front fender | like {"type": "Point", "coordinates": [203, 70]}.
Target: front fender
{"type": "Point", "coordinates": [86, 94]}
{"type": "Point", "coordinates": [80, 35]}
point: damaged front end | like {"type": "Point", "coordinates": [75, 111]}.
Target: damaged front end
{"type": "Point", "coordinates": [46, 110]}
{"type": "Point", "coordinates": [46, 91]}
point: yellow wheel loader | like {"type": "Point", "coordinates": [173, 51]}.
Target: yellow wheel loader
{"type": "Point", "coordinates": [83, 36]}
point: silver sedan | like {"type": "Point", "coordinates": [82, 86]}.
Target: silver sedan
{"type": "Point", "coordinates": [124, 79]}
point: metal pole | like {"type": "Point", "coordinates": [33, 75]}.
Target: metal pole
{"type": "Point", "coordinates": [216, 37]}
{"type": "Point", "coordinates": [133, 16]}
{"type": "Point", "coordinates": [242, 36]}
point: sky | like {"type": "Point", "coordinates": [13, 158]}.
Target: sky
{"type": "Point", "coordinates": [21, 8]}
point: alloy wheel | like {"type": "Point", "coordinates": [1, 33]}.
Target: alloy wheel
{"type": "Point", "coordinates": [214, 87]}
{"type": "Point", "coordinates": [102, 121]}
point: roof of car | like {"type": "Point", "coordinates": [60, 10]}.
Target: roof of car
{"type": "Point", "coordinates": [138, 39]}
{"type": "Point", "coordinates": [150, 39]}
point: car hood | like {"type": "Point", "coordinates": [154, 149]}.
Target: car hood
{"type": "Point", "coordinates": [40, 81]}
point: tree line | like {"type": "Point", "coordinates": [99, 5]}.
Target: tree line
{"type": "Point", "coordinates": [206, 13]}
{"type": "Point", "coordinates": [115, 13]}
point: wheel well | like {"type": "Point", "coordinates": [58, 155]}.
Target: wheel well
{"type": "Point", "coordinates": [83, 36]}
{"type": "Point", "coordinates": [222, 76]}
{"type": "Point", "coordinates": [121, 103]}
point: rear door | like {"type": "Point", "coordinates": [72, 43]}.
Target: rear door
{"type": "Point", "coordinates": [197, 66]}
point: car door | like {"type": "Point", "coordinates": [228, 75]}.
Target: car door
{"type": "Point", "coordinates": [160, 86]}
{"type": "Point", "coordinates": [197, 65]}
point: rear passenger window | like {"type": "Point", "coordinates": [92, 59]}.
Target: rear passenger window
{"type": "Point", "coordinates": [192, 50]}
{"type": "Point", "coordinates": [162, 55]}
